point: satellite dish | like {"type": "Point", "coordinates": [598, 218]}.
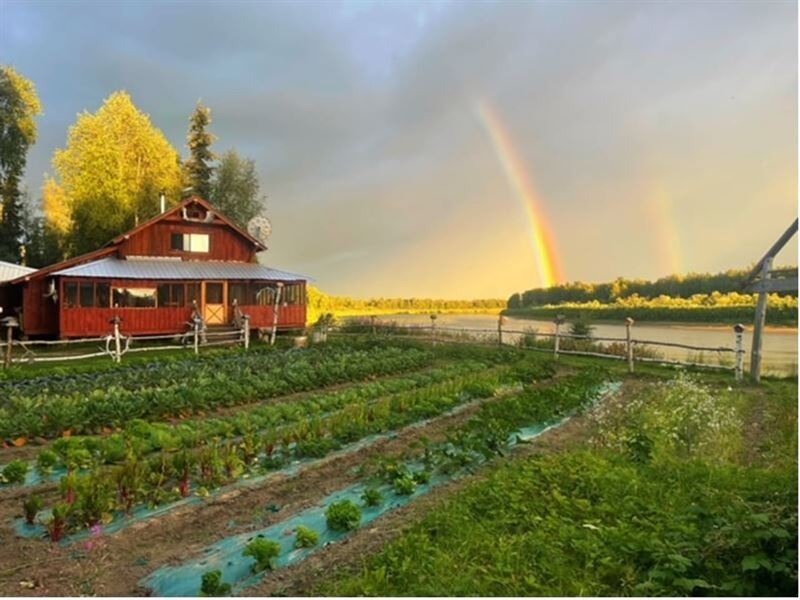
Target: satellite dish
{"type": "Point", "coordinates": [259, 227]}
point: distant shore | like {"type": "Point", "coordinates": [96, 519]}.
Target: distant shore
{"type": "Point", "coordinates": [712, 315]}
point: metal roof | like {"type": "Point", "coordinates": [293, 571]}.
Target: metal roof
{"type": "Point", "coordinates": [9, 271]}
{"type": "Point", "coordinates": [165, 268]}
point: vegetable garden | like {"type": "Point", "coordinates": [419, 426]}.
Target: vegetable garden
{"type": "Point", "coordinates": [212, 474]}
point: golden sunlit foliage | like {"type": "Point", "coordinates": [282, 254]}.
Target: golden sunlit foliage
{"type": "Point", "coordinates": [320, 303]}
{"type": "Point", "coordinates": [110, 174]}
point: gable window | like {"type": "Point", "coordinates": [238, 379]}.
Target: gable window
{"type": "Point", "coordinates": [190, 242]}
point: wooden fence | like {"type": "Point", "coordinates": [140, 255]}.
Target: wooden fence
{"type": "Point", "coordinates": [627, 348]}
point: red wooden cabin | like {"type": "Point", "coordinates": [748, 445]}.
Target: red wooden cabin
{"type": "Point", "coordinates": [152, 276]}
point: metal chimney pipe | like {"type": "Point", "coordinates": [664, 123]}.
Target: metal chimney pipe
{"type": "Point", "coordinates": [163, 203]}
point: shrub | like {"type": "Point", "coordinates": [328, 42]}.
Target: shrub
{"type": "Point", "coordinates": [212, 584]}
{"type": "Point", "coordinates": [264, 551]}
{"type": "Point", "coordinates": [372, 496]}
{"type": "Point", "coordinates": [343, 516]}
{"type": "Point", "coordinates": [306, 537]}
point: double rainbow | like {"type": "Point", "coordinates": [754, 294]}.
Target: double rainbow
{"type": "Point", "coordinates": [541, 236]}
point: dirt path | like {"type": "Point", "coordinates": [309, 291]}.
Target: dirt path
{"type": "Point", "coordinates": [113, 565]}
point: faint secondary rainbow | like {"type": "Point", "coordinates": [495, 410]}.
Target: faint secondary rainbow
{"type": "Point", "coordinates": [667, 237]}
{"type": "Point", "coordinates": [544, 249]}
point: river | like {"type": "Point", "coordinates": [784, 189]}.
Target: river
{"type": "Point", "coordinates": [779, 348]}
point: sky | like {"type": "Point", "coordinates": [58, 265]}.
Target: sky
{"type": "Point", "coordinates": [457, 149]}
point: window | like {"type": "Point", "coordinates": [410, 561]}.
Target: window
{"type": "Point", "coordinates": [102, 295]}
{"type": "Point", "coordinates": [240, 293]}
{"type": "Point", "coordinates": [171, 295]}
{"type": "Point", "coordinates": [264, 294]}
{"type": "Point", "coordinates": [135, 297]}
{"type": "Point", "coordinates": [190, 242]}
{"type": "Point", "coordinates": [86, 294]}
{"type": "Point", "coordinates": [70, 295]}
{"type": "Point", "coordinates": [192, 293]}
{"type": "Point", "coordinates": [294, 294]}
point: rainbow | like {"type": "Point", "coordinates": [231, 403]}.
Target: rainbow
{"type": "Point", "coordinates": [544, 249]}
{"type": "Point", "coordinates": [667, 237]}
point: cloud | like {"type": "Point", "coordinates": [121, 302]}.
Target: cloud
{"type": "Point", "coordinates": [360, 119]}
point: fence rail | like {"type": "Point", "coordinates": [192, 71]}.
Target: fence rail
{"type": "Point", "coordinates": [116, 344]}
{"type": "Point", "coordinates": [594, 346]}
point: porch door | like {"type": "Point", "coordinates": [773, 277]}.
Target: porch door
{"type": "Point", "coordinates": [214, 302]}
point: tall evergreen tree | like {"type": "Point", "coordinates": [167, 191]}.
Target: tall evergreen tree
{"type": "Point", "coordinates": [19, 106]}
{"type": "Point", "coordinates": [236, 191]}
{"type": "Point", "coordinates": [198, 167]}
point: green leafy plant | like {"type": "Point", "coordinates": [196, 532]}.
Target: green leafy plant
{"type": "Point", "coordinates": [306, 537]}
{"type": "Point", "coordinates": [405, 485]}
{"type": "Point", "coordinates": [32, 505]}
{"type": "Point", "coordinates": [15, 471]}
{"type": "Point", "coordinates": [343, 515]}
{"type": "Point", "coordinates": [57, 524]}
{"type": "Point", "coordinates": [212, 585]}
{"type": "Point", "coordinates": [264, 551]}
{"type": "Point", "coordinates": [46, 461]}
{"type": "Point", "coordinates": [372, 496]}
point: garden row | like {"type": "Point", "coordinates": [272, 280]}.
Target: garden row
{"type": "Point", "coordinates": [493, 431]}
{"type": "Point", "coordinates": [140, 438]}
{"type": "Point", "coordinates": [201, 388]}
{"type": "Point", "coordinates": [104, 493]}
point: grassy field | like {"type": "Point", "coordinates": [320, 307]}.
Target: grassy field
{"type": "Point", "coordinates": [122, 470]}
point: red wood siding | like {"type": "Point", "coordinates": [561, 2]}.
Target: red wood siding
{"type": "Point", "coordinates": [289, 317]}
{"type": "Point", "coordinates": [155, 240]}
{"type": "Point", "coordinates": [91, 322]}
{"type": "Point", "coordinates": [39, 314]}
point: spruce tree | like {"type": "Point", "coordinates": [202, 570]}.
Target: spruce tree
{"type": "Point", "coordinates": [19, 107]}
{"type": "Point", "coordinates": [198, 166]}
{"type": "Point", "coordinates": [11, 219]}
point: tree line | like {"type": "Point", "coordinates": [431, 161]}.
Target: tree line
{"type": "Point", "coordinates": [320, 303]}
{"type": "Point", "coordinates": [673, 286]}
{"type": "Point", "coordinates": [108, 177]}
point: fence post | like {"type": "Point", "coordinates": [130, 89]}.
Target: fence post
{"type": "Point", "coordinates": [739, 332]}
{"type": "Point", "coordinates": [500, 320]}
{"type": "Point", "coordinates": [275, 310]}
{"type": "Point", "coordinates": [433, 329]}
{"type": "Point", "coordinates": [117, 346]}
{"type": "Point", "coordinates": [10, 323]}
{"type": "Point", "coordinates": [559, 320]}
{"type": "Point", "coordinates": [628, 343]}
{"type": "Point", "coordinates": [196, 334]}
{"type": "Point", "coordinates": [246, 332]}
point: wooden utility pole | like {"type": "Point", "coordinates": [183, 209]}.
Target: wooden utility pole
{"type": "Point", "coordinates": [758, 327]}
{"type": "Point", "coordinates": [761, 280]}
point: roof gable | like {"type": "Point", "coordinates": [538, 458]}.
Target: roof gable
{"type": "Point", "coordinates": [196, 200]}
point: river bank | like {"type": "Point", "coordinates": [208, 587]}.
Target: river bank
{"type": "Point", "coordinates": [779, 349]}
{"type": "Point", "coordinates": [776, 316]}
